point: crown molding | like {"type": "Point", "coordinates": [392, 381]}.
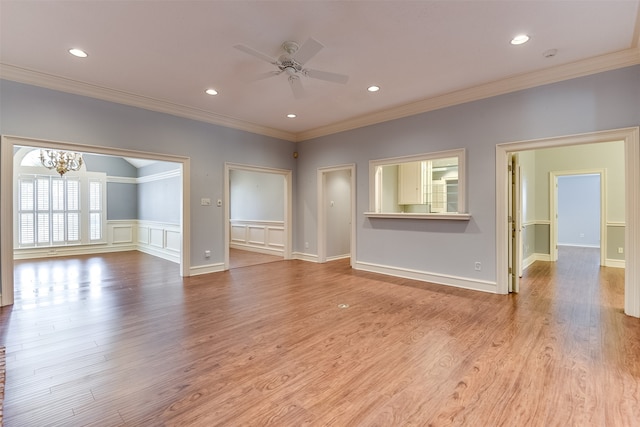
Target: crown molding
{"type": "Point", "coordinates": [49, 81]}
{"type": "Point", "coordinates": [598, 64]}
{"type": "Point", "coordinates": [559, 73]}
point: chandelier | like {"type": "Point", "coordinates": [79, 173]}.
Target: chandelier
{"type": "Point", "coordinates": [61, 161]}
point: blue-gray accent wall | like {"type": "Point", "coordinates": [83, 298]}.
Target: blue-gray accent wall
{"type": "Point", "coordinates": [597, 102]}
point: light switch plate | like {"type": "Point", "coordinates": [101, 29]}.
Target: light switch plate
{"type": "Point", "coordinates": [205, 202]}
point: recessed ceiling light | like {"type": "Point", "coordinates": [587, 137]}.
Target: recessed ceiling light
{"type": "Point", "coordinates": [78, 52]}
{"type": "Point", "coordinates": [373, 88]}
{"type": "Point", "coordinates": [211, 92]}
{"type": "Point", "coordinates": [291, 116]}
{"type": "Point", "coordinates": [520, 39]}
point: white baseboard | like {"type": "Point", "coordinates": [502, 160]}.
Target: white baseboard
{"type": "Point", "coordinates": [304, 257]}
{"type": "Point", "coordinates": [60, 251]}
{"type": "Point", "coordinates": [533, 258]}
{"type": "Point", "coordinates": [160, 253]}
{"type": "Point", "coordinates": [617, 263]}
{"type": "Point", "coordinates": [573, 245]}
{"type": "Point", "coordinates": [258, 249]}
{"type": "Point", "coordinates": [206, 269]}
{"type": "Point", "coordinates": [424, 276]}
{"type": "Point", "coordinates": [337, 257]}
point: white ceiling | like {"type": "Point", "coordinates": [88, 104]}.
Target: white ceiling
{"type": "Point", "coordinates": [162, 55]}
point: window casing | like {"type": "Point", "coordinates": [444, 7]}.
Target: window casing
{"type": "Point", "coordinates": [427, 186]}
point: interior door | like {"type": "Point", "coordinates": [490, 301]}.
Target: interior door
{"type": "Point", "coordinates": [515, 227]}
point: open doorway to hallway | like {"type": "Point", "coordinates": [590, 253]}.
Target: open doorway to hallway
{"type": "Point", "coordinates": [578, 214]}
{"type": "Point", "coordinates": [618, 149]}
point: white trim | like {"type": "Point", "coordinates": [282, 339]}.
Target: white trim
{"type": "Point", "coordinates": [459, 153]}
{"type": "Point", "coordinates": [322, 222]}
{"type": "Point", "coordinates": [615, 263]}
{"type": "Point", "coordinates": [572, 245]}
{"type": "Point", "coordinates": [272, 232]}
{"type": "Point", "coordinates": [36, 78]}
{"type": "Point", "coordinates": [305, 257]}
{"type": "Point", "coordinates": [536, 222]}
{"type": "Point", "coordinates": [404, 215]}
{"type": "Point", "coordinates": [631, 139]}
{"type": "Point", "coordinates": [144, 179]}
{"type": "Point", "coordinates": [288, 205]}
{"type": "Point", "coordinates": [615, 224]}
{"type": "Point", "coordinates": [161, 245]}
{"type": "Point", "coordinates": [158, 176]}
{"type": "Point", "coordinates": [61, 251]}
{"type": "Point", "coordinates": [122, 180]}
{"type": "Point", "coordinates": [553, 208]}
{"type": "Point", "coordinates": [206, 269]}
{"type": "Point", "coordinates": [260, 250]}
{"type": "Point", "coordinates": [533, 258]}
{"type": "Point", "coordinates": [337, 257]}
{"type": "Point", "coordinates": [425, 276]}
{"type": "Point", "coordinates": [585, 67]}
{"type": "Point", "coordinates": [7, 144]}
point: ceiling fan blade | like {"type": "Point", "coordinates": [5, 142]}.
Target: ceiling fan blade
{"type": "Point", "coordinates": [253, 52]}
{"type": "Point", "coordinates": [296, 87]}
{"type": "Point", "coordinates": [266, 75]}
{"type": "Point", "coordinates": [326, 75]}
{"type": "Point", "coordinates": [307, 51]}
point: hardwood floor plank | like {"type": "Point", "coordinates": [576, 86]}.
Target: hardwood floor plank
{"type": "Point", "coordinates": [121, 339]}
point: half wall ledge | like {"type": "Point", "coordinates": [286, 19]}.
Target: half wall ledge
{"type": "Point", "coordinates": [398, 215]}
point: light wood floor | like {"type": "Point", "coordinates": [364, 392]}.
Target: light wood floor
{"type": "Point", "coordinates": [239, 258]}
{"type": "Point", "coordinates": [119, 339]}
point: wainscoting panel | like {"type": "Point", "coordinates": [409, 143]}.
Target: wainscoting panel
{"type": "Point", "coordinates": [258, 236]}
{"type": "Point", "coordinates": [119, 236]}
{"type": "Point", "coordinates": [172, 240]}
{"type": "Point", "coordinates": [159, 239]}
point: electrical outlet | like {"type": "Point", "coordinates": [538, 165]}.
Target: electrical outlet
{"type": "Point", "coordinates": [306, 245]}
{"type": "Point", "coordinates": [207, 254]}
{"type": "Point", "coordinates": [620, 250]}
{"type": "Point", "coordinates": [478, 266]}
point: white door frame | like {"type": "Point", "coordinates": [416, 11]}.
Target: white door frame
{"type": "Point", "coordinates": [322, 220]}
{"type": "Point", "coordinates": [631, 139]}
{"type": "Point", "coordinates": [7, 198]}
{"type": "Point", "coordinates": [553, 210]}
{"type": "Point", "coordinates": [288, 205]}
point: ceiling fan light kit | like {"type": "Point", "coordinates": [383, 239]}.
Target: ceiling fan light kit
{"type": "Point", "coordinates": [292, 64]}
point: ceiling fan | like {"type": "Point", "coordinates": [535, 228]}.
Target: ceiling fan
{"type": "Point", "coordinates": [292, 63]}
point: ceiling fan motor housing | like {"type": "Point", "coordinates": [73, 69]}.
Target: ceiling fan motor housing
{"type": "Point", "coordinates": [287, 64]}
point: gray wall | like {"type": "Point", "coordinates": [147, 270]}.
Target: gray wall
{"type": "Point", "coordinates": [579, 210]}
{"type": "Point", "coordinates": [122, 201]}
{"type": "Point", "coordinates": [112, 166]}
{"type": "Point", "coordinates": [256, 196]}
{"type": "Point", "coordinates": [34, 112]}
{"type": "Point", "coordinates": [160, 200]}
{"type": "Point", "coordinates": [604, 101]}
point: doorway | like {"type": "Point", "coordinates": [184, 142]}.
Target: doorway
{"type": "Point", "coordinates": [629, 137]}
{"type": "Point", "coordinates": [578, 214]}
{"type": "Point", "coordinates": [257, 223]}
{"type": "Point", "coordinates": [336, 213]}
{"type": "Point", "coordinates": [10, 144]}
